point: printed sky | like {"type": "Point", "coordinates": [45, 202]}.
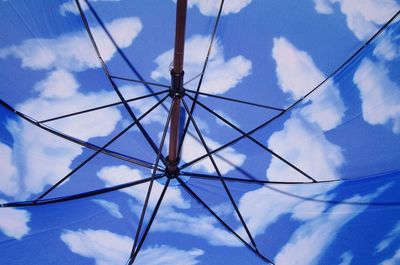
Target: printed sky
{"type": "Point", "coordinates": [345, 133]}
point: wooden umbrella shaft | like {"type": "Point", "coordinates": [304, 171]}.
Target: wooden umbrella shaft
{"type": "Point", "coordinates": [177, 89]}
{"type": "Point", "coordinates": [180, 36]}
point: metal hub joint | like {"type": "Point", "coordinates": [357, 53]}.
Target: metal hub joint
{"type": "Point", "coordinates": [172, 170]}
{"type": "Point", "coordinates": [177, 90]}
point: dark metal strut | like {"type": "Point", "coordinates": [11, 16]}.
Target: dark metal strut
{"type": "Point", "coordinates": [113, 84]}
{"type": "Point", "coordinates": [227, 227]}
{"type": "Point", "coordinates": [220, 175]}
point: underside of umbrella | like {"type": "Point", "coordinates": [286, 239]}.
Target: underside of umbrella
{"type": "Point", "coordinates": [199, 132]}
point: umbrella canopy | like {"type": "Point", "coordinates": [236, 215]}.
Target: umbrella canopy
{"type": "Point", "coordinates": [245, 132]}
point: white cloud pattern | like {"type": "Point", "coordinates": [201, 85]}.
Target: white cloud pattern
{"type": "Point", "coordinates": [363, 17]}
{"type": "Point", "coordinates": [389, 238]}
{"type": "Point", "coordinates": [378, 91]}
{"type": "Point", "coordinates": [221, 75]}
{"type": "Point", "coordinates": [211, 7]}
{"type": "Point", "coordinates": [33, 147]}
{"type": "Point", "coordinates": [169, 219]}
{"type": "Point", "coordinates": [226, 159]}
{"type": "Point", "coordinates": [14, 222]}
{"type": "Point", "coordinates": [303, 143]}
{"type": "Point", "coordinates": [108, 248]}
{"type": "Point", "coordinates": [122, 174]}
{"type": "Point", "coordinates": [310, 240]}
{"type": "Point", "coordinates": [58, 84]}
{"type": "Point", "coordinates": [71, 7]}
{"type": "Point", "coordinates": [74, 51]}
{"type": "Point", "coordinates": [8, 180]}
{"type": "Point", "coordinates": [395, 259]}
{"type": "Point", "coordinates": [346, 257]}
{"type": "Point", "coordinates": [111, 207]}
{"type": "Point", "coordinates": [298, 75]}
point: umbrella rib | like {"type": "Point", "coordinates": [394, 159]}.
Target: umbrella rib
{"type": "Point", "coordinates": [219, 173]}
{"type": "Point", "coordinates": [191, 79]}
{"type": "Point", "coordinates": [139, 81]}
{"type": "Point", "coordinates": [78, 195]}
{"type": "Point", "coordinates": [74, 140]}
{"type": "Point", "coordinates": [96, 153]}
{"type": "Point", "coordinates": [127, 61]}
{"type": "Point", "coordinates": [202, 74]}
{"type": "Point", "coordinates": [120, 52]}
{"type": "Point", "coordinates": [345, 62]}
{"type": "Point", "coordinates": [265, 182]}
{"type": "Point", "coordinates": [227, 227]}
{"type": "Point", "coordinates": [301, 99]}
{"type": "Point", "coordinates": [143, 238]}
{"type": "Point", "coordinates": [236, 100]}
{"type": "Point", "coordinates": [77, 141]}
{"type": "Point", "coordinates": [101, 107]}
{"type": "Point", "coordinates": [262, 182]}
{"type": "Point", "coordinates": [241, 170]}
{"type": "Point", "coordinates": [232, 141]}
{"type": "Point", "coordinates": [152, 180]}
{"type": "Point", "coordinates": [255, 181]}
{"type": "Point", "coordinates": [254, 140]}
{"type": "Point", "coordinates": [334, 202]}
{"type": "Point", "coordinates": [115, 87]}
{"type": "Point", "coordinates": [217, 155]}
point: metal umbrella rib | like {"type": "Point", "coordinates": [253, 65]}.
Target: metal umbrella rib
{"type": "Point", "coordinates": [101, 107]}
{"type": "Point", "coordinates": [79, 195]}
{"type": "Point", "coordinates": [235, 100]}
{"type": "Point", "coordinates": [123, 56]}
{"type": "Point", "coordinates": [200, 201]}
{"type": "Point", "coordinates": [145, 204]}
{"type": "Point", "coordinates": [171, 168]}
{"type": "Point", "coordinates": [254, 140]}
{"type": "Point", "coordinates": [77, 141]}
{"type": "Point", "coordinates": [115, 87]}
{"type": "Point", "coordinates": [219, 174]}
{"type": "Point", "coordinates": [97, 152]}
{"type": "Point", "coordinates": [213, 35]}
{"type": "Point", "coordinates": [294, 104]}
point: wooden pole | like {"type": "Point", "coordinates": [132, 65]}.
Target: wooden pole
{"type": "Point", "coordinates": [177, 85]}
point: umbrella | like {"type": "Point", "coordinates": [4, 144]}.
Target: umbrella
{"type": "Point", "coordinates": [199, 132]}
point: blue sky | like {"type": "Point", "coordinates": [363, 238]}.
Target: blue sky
{"type": "Point", "coordinates": [268, 52]}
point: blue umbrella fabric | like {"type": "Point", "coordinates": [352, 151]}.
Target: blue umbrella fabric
{"type": "Point", "coordinates": [289, 133]}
